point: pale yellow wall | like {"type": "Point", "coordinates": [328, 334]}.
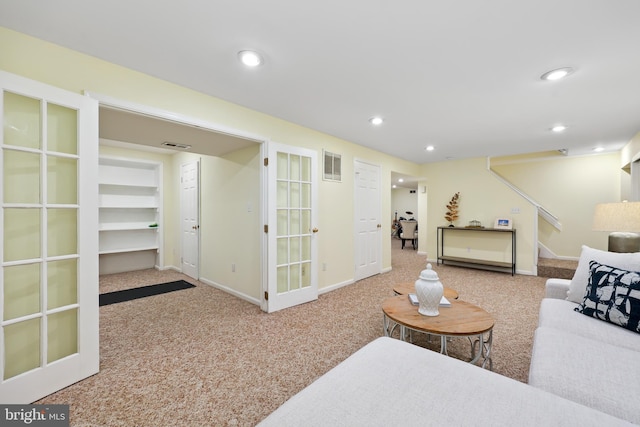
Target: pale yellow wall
{"type": "Point", "coordinates": [76, 72]}
{"type": "Point", "coordinates": [569, 187]}
{"type": "Point", "coordinates": [482, 198]}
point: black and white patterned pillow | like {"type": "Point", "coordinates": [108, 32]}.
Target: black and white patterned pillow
{"type": "Point", "coordinates": [612, 295]}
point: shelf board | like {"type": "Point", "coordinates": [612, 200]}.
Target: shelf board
{"type": "Point", "coordinates": [119, 251]}
{"type": "Point", "coordinates": [125, 227]}
{"type": "Point", "coordinates": [132, 185]}
{"type": "Point", "coordinates": [476, 261]}
{"type": "Point", "coordinates": [127, 207]}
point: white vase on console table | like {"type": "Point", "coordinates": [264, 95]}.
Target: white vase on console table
{"type": "Point", "coordinates": [429, 291]}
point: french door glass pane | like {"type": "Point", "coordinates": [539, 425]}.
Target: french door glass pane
{"type": "Point", "coordinates": [22, 347]}
{"type": "Point", "coordinates": [294, 195]}
{"type": "Point", "coordinates": [305, 248]}
{"type": "Point", "coordinates": [61, 342]}
{"type": "Point", "coordinates": [21, 290]}
{"type": "Point", "coordinates": [62, 129]}
{"type": "Point", "coordinates": [21, 121]}
{"type": "Point", "coordinates": [21, 177]}
{"type": "Point", "coordinates": [295, 167]}
{"type": "Point", "coordinates": [294, 281]}
{"type": "Point", "coordinates": [283, 250]}
{"type": "Point", "coordinates": [305, 221]}
{"type": "Point", "coordinates": [283, 222]}
{"type": "Point", "coordinates": [283, 166]}
{"type": "Point", "coordinates": [21, 234]}
{"type": "Point", "coordinates": [62, 280]}
{"type": "Point", "coordinates": [294, 227]}
{"type": "Point", "coordinates": [295, 249]}
{"type": "Point", "coordinates": [283, 279]}
{"type": "Point", "coordinates": [305, 279]}
{"type": "Point", "coordinates": [305, 196]}
{"type": "Point", "coordinates": [62, 180]}
{"type": "Point", "coordinates": [283, 194]}
{"type": "Point", "coordinates": [305, 169]}
{"type": "Point", "coordinates": [62, 232]}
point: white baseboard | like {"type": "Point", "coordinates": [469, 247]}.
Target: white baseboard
{"type": "Point", "coordinates": [233, 292]}
{"type": "Point", "coordinates": [169, 267]}
{"type": "Point", "coordinates": [545, 252]}
{"type": "Point", "coordinates": [335, 286]}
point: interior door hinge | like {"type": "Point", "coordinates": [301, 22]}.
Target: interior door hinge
{"type": "Point", "coordinates": [266, 296]}
{"type": "Point", "coordinates": [266, 161]}
{"type": "Point", "coordinates": [266, 228]}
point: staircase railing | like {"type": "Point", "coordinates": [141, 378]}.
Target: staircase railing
{"type": "Point", "coordinates": [542, 211]}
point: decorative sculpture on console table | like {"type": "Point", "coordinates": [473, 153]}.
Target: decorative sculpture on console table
{"type": "Point", "coordinates": [429, 291]}
{"type": "Point", "coordinates": [452, 209]}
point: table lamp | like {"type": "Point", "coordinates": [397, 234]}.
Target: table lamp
{"type": "Point", "coordinates": [623, 221]}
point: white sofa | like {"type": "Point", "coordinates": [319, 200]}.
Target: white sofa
{"type": "Point", "coordinates": [581, 358]}
{"type": "Point", "coordinates": [584, 372]}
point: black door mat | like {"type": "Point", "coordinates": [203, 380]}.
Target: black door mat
{"type": "Point", "coordinates": [144, 291]}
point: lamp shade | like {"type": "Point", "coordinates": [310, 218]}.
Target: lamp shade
{"type": "Point", "coordinates": [624, 216]}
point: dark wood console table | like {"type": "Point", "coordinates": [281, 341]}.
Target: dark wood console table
{"type": "Point", "coordinates": [475, 262]}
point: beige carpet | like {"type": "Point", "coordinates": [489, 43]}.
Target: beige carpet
{"type": "Point", "coordinates": [201, 357]}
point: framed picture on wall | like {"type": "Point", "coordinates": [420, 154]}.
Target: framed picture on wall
{"type": "Point", "coordinates": [504, 223]}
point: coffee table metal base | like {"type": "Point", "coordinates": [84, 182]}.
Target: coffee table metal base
{"type": "Point", "coordinates": [476, 341]}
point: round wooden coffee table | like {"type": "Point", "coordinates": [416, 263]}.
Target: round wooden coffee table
{"type": "Point", "coordinates": [410, 288]}
{"type": "Point", "coordinates": [462, 319]}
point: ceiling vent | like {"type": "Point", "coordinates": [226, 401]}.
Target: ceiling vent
{"type": "Point", "coordinates": [176, 145]}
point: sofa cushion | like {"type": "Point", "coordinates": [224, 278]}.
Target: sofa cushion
{"type": "Point", "coordinates": [560, 314]}
{"type": "Point", "coordinates": [601, 376]}
{"type": "Point", "coordinates": [393, 383]}
{"type": "Point", "coordinates": [613, 295]}
{"type": "Point", "coordinates": [578, 286]}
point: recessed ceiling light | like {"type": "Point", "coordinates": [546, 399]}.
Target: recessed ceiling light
{"type": "Point", "coordinates": [394, 186]}
{"type": "Point", "coordinates": [250, 58]}
{"type": "Point", "coordinates": [376, 120]}
{"type": "Point", "coordinates": [559, 128]}
{"type": "Point", "coordinates": [400, 180]}
{"type": "Point", "coordinates": [557, 74]}
{"type": "Point", "coordinates": [598, 149]}
{"type": "Point", "coordinates": [429, 148]}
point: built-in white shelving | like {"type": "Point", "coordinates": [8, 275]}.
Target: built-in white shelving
{"type": "Point", "coordinates": [130, 200]}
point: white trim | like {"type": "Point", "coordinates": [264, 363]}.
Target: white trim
{"type": "Point", "coordinates": [133, 107]}
{"type": "Point", "coordinates": [335, 286]}
{"type": "Point", "coordinates": [228, 290]}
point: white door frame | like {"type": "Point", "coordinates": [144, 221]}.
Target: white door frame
{"type": "Point", "coordinates": [108, 101]}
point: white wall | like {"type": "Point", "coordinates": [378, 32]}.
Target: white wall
{"type": "Point", "coordinates": [402, 200]}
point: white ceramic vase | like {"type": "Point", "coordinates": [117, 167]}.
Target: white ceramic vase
{"type": "Point", "coordinates": [429, 291]}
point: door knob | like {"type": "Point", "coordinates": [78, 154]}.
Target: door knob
{"type": "Point", "coordinates": [379, 225]}
{"type": "Point", "coordinates": [315, 230]}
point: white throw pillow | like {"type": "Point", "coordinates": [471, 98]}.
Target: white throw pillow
{"type": "Point", "coordinates": [578, 286]}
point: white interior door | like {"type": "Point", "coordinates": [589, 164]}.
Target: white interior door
{"type": "Point", "coordinates": [49, 253]}
{"type": "Point", "coordinates": [292, 276]}
{"type": "Point", "coordinates": [190, 212]}
{"type": "Point", "coordinates": [368, 226]}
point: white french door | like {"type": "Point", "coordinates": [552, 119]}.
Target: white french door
{"type": "Point", "coordinates": [368, 226]}
{"type": "Point", "coordinates": [49, 253]}
{"type": "Point", "coordinates": [292, 273]}
{"type": "Point", "coordinates": [190, 212]}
